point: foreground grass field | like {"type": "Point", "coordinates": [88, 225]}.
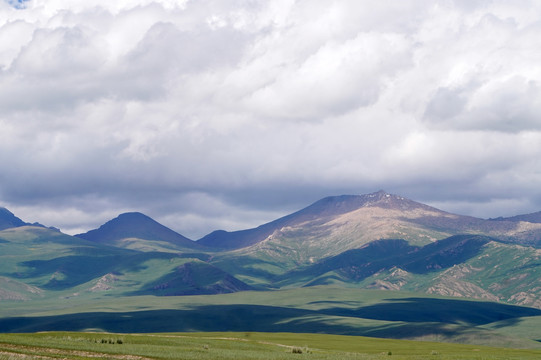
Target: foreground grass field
{"type": "Point", "coordinates": [238, 346]}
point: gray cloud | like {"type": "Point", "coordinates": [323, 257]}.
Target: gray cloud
{"type": "Point", "coordinates": [512, 105]}
{"type": "Point", "coordinates": [213, 114]}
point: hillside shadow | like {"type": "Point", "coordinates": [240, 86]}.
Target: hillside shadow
{"type": "Point", "coordinates": [220, 318]}
{"type": "Point", "coordinates": [419, 310]}
{"type": "Point", "coordinates": [202, 318]}
{"type": "Point", "coordinates": [443, 254]}
{"type": "Point", "coordinates": [379, 255]}
{"type": "Point", "coordinates": [75, 270]}
{"type": "Point", "coordinates": [404, 318]}
{"type": "Point", "coordinates": [248, 265]}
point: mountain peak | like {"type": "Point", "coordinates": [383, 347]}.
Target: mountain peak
{"type": "Point", "coordinates": [335, 205]}
{"type": "Point", "coordinates": [385, 200]}
{"type": "Point", "coordinates": [132, 216]}
{"type": "Point", "coordinates": [320, 211]}
{"type": "Point", "coordinates": [380, 196]}
{"type": "Point", "coordinates": [135, 225]}
{"type": "Point", "coordinates": [379, 193]}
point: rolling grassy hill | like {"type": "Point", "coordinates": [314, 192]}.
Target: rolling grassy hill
{"type": "Point", "coordinates": [48, 260]}
{"type": "Point", "coordinates": [323, 309]}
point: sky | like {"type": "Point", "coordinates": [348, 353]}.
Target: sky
{"type": "Point", "coordinates": [212, 114]}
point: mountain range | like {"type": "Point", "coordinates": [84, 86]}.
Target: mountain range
{"type": "Point", "coordinates": [376, 241]}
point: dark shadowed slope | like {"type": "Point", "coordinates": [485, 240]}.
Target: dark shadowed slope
{"type": "Point", "coordinates": [139, 226]}
{"type": "Point", "coordinates": [380, 255]}
{"type": "Point", "coordinates": [8, 220]}
{"type": "Point", "coordinates": [193, 278]}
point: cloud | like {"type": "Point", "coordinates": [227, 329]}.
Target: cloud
{"type": "Point", "coordinates": [492, 81]}
{"type": "Point", "coordinates": [347, 75]}
{"type": "Point", "coordinates": [211, 114]}
{"type": "Point", "coordinates": [510, 105]}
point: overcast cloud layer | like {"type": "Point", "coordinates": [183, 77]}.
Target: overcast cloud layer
{"type": "Point", "coordinates": [227, 114]}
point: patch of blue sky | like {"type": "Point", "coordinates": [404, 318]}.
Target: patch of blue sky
{"type": "Point", "coordinates": [18, 4]}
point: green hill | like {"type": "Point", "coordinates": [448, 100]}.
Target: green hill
{"type": "Point", "coordinates": [49, 260]}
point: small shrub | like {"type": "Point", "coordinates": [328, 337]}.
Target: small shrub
{"type": "Point", "coordinates": [109, 341]}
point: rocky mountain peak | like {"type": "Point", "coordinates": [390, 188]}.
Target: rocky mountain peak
{"type": "Point", "coordinates": [385, 200]}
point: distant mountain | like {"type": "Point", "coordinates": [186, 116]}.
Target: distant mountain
{"type": "Point", "coordinates": [8, 220]}
{"type": "Point", "coordinates": [316, 214]}
{"type": "Point", "coordinates": [531, 218]}
{"type": "Point", "coordinates": [126, 229]}
{"type": "Point", "coordinates": [338, 223]}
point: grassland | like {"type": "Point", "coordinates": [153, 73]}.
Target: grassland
{"type": "Point", "coordinates": [324, 309]}
{"type": "Point", "coordinates": [238, 346]}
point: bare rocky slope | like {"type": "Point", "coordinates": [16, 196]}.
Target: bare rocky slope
{"type": "Point", "coordinates": [337, 224]}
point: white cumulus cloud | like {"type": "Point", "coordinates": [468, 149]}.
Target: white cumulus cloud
{"type": "Point", "coordinates": [211, 114]}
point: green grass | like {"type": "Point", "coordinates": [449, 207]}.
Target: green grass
{"type": "Point", "coordinates": [326, 309]}
{"type": "Point", "coordinates": [238, 346]}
